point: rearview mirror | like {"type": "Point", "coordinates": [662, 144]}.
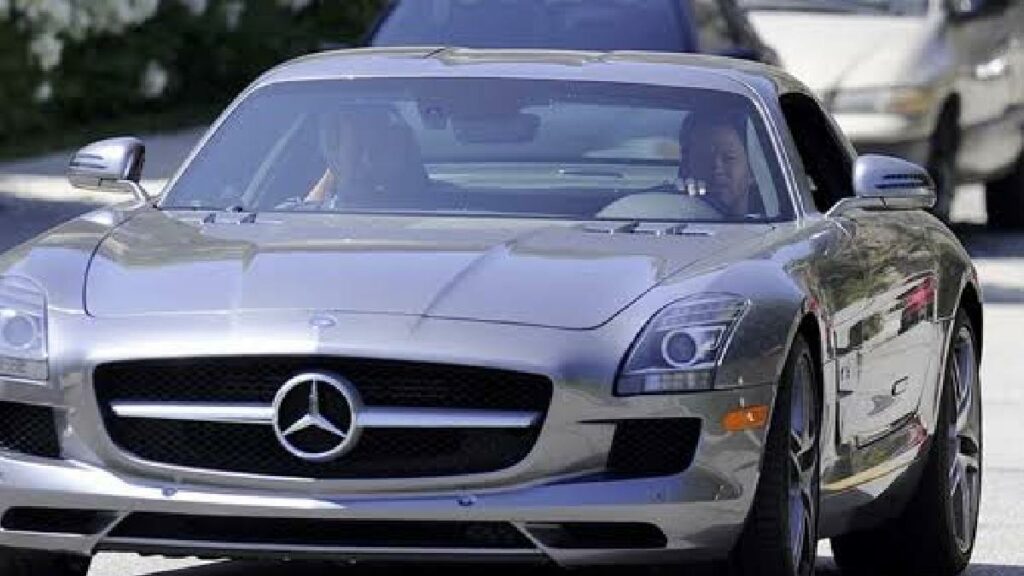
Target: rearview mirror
{"type": "Point", "coordinates": [516, 128]}
{"type": "Point", "coordinates": [114, 164]}
{"type": "Point", "coordinates": [886, 183]}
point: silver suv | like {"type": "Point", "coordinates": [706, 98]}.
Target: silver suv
{"type": "Point", "coordinates": [940, 83]}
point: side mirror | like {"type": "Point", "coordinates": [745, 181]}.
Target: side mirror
{"type": "Point", "coordinates": [885, 183]}
{"type": "Point", "coordinates": [114, 164]}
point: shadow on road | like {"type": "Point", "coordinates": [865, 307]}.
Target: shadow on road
{"type": "Point", "coordinates": [983, 242]}
{"type": "Point", "coordinates": [825, 568]}
{"type": "Point", "coordinates": [332, 569]}
{"type": "Point", "coordinates": [1000, 294]}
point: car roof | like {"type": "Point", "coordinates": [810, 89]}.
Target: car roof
{"type": "Point", "coordinates": [655, 68]}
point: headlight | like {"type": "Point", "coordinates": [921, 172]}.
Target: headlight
{"type": "Point", "coordinates": [681, 346]}
{"type": "Point", "coordinates": [905, 101]}
{"type": "Point", "coordinates": [23, 353]}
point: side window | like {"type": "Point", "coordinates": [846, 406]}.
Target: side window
{"type": "Point", "coordinates": [828, 166]}
{"type": "Point", "coordinates": [714, 34]}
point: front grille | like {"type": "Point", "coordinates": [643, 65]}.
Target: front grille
{"type": "Point", "coordinates": [320, 532]}
{"type": "Point", "coordinates": [379, 453]}
{"type": "Point", "coordinates": [380, 382]}
{"type": "Point", "coordinates": [656, 447]}
{"type": "Point", "coordinates": [28, 429]}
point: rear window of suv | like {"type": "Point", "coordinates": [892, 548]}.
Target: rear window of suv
{"type": "Point", "coordinates": [551, 24]}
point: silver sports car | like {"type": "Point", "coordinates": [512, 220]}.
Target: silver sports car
{"type": "Point", "coordinates": [580, 308]}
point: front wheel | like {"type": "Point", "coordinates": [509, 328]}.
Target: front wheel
{"type": "Point", "coordinates": [935, 534]}
{"type": "Point", "coordinates": [31, 563]}
{"type": "Point", "coordinates": [780, 537]}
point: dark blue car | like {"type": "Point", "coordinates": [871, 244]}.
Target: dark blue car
{"type": "Point", "coordinates": [704, 26]}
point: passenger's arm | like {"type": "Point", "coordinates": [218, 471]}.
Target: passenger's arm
{"type": "Point", "coordinates": [320, 190]}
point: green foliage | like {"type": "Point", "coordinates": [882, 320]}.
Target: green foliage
{"type": "Point", "coordinates": [201, 62]}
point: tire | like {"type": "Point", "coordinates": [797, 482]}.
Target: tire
{"type": "Point", "coordinates": [789, 489]}
{"type": "Point", "coordinates": [931, 537]}
{"type": "Point", "coordinates": [1004, 199]}
{"type": "Point", "coordinates": [26, 563]}
{"type": "Point", "coordinates": [942, 164]}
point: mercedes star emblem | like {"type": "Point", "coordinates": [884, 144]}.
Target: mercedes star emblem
{"type": "Point", "coordinates": [315, 416]}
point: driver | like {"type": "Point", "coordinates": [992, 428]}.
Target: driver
{"type": "Point", "coordinates": [714, 160]}
{"type": "Point", "coordinates": [372, 160]}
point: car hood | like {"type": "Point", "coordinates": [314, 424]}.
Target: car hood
{"type": "Point", "coordinates": [830, 51]}
{"type": "Point", "coordinates": [543, 273]}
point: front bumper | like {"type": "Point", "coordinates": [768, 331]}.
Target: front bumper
{"type": "Point", "coordinates": [698, 513]}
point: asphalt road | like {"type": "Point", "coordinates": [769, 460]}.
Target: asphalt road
{"type": "Point", "coordinates": [1000, 547]}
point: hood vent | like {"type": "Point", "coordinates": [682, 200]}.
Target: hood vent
{"type": "Point", "coordinates": [231, 217]}
{"type": "Point", "coordinates": [650, 228]}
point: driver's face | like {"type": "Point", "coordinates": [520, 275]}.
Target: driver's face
{"type": "Point", "coordinates": [722, 159]}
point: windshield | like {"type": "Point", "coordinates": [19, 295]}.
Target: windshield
{"type": "Point", "coordinates": [501, 147]}
{"type": "Point", "coordinates": [893, 7]}
{"type": "Point", "coordinates": [556, 24]}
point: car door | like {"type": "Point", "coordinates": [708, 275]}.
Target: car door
{"type": "Point", "coordinates": [883, 305]}
{"type": "Point", "coordinates": [898, 332]}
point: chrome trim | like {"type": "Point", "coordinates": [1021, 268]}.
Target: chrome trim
{"type": "Point", "coordinates": [369, 417]}
{"type": "Point", "coordinates": [199, 412]}
{"type": "Point", "coordinates": [444, 418]}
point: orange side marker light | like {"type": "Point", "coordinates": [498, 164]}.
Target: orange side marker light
{"type": "Point", "coordinates": [746, 418]}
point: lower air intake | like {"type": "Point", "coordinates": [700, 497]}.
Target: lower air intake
{"type": "Point", "coordinates": [657, 447]}
{"type": "Point", "coordinates": [361, 534]}
{"type": "Point", "coordinates": [28, 429]}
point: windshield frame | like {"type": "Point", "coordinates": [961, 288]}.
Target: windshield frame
{"type": "Point", "coordinates": [790, 205]}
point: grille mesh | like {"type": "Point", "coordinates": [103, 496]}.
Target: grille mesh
{"type": "Point", "coordinates": [658, 447]}
{"type": "Point", "coordinates": [379, 453]}
{"type": "Point", "coordinates": [28, 429]}
{"type": "Point", "coordinates": [380, 382]}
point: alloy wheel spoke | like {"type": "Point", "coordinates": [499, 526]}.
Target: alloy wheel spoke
{"type": "Point", "coordinates": [966, 508]}
{"type": "Point", "coordinates": [956, 477]}
{"type": "Point", "coordinates": [964, 380]}
{"type": "Point", "coordinates": [797, 511]}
